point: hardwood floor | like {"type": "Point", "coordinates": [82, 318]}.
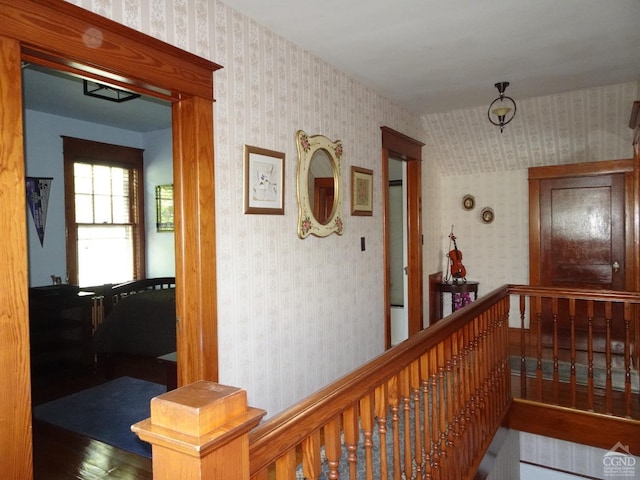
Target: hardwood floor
{"type": "Point", "coordinates": [62, 455]}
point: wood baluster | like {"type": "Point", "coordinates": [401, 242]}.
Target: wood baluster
{"type": "Point", "coordinates": [351, 437]}
{"type": "Point", "coordinates": [462, 397]}
{"type": "Point", "coordinates": [627, 359]}
{"type": "Point", "coordinates": [572, 324]}
{"type": "Point", "coordinates": [458, 418]}
{"type": "Point", "coordinates": [453, 423]}
{"type": "Point", "coordinates": [477, 412]}
{"type": "Point", "coordinates": [499, 367]}
{"type": "Point", "coordinates": [556, 375]}
{"type": "Point", "coordinates": [539, 349]}
{"type": "Point", "coordinates": [484, 375]}
{"type": "Point", "coordinates": [609, 394]}
{"type": "Point", "coordinates": [286, 465]}
{"type": "Point", "coordinates": [366, 419]}
{"type": "Point", "coordinates": [417, 408]}
{"type": "Point", "coordinates": [468, 398]}
{"type": "Point", "coordinates": [504, 357]}
{"type": "Point", "coordinates": [491, 368]}
{"type": "Point", "coordinates": [392, 385]}
{"type": "Point", "coordinates": [470, 393]}
{"type": "Point", "coordinates": [482, 354]}
{"type": "Point", "coordinates": [435, 411]}
{"type": "Point", "coordinates": [590, 386]}
{"type": "Point", "coordinates": [332, 448]}
{"type": "Point", "coordinates": [405, 399]}
{"type": "Point", "coordinates": [447, 346]}
{"type": "Point", "coordinates": [493, 364]}
{"type": "Point", "coordinates": [381, 417]}
{"type": "Point", "coordinates": [523, 350]}
{"type": "Point", "coordinates": [426, 396]}
{"type": "Point", "coordinates": [311, 456]}
{"type": "Point", "coordinates": [442, 410]}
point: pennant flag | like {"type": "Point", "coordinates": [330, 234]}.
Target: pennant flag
{"type": "Point", "coordinates": [38, 200]}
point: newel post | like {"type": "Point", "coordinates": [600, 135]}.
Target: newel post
{"type": "Point", "coordinates": [200, 431]}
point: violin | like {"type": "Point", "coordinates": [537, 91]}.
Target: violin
{"type": "Point", "coordinates": [455, 256]}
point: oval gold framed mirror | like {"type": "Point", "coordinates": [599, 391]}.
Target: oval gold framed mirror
{"type": "Point", "coordinates": [319, 186]}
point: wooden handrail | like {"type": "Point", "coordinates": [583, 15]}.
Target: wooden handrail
{"type": "Point", "coordinates": [578, 294]}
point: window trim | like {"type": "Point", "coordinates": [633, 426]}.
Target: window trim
{"type": "Point", "coordinates": [78, 150]}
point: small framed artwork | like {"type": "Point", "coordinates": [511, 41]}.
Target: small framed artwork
{"type": "Point", "coordinates": [263, 181]}
{"type": "Point", "coordinates": [164, 208]}
{"type": "Point", "coordinates": [468, 202]}
{"type": "Point", "coordinates": [487, 215]}
{"type": "Point", "coordinates": [361, 191]}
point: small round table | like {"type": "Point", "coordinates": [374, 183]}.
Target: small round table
{"type": "Point", "coordinates": [456, 288]}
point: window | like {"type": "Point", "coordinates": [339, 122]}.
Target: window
{"type": "Point", "coordinates": [104, 212]}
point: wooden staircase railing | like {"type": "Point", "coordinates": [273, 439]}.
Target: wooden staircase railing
{"type": "Point", "coordinates": [428, 408]}
{"type": "Point", "coordinates": [574, 362]}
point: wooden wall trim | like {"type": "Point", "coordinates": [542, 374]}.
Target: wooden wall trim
{"type": "Point", "coordinates": [597, 430]}
{"type": "Point", "coordinates": [72, 36]}
{"type": "Point", "coordinates": [401, 144]}
{"type": "Point", "coordinates": [15, 405]}
{"type": "Point", "coordinates": [575, 169]}
{"type": "Point", "coordinates": [195, 241]}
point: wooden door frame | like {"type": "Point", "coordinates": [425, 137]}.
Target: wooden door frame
{"type": "Point", "coordinates": [400, 146]}
{"type": "Point", "coordinates": [62, 36]}
{"type": "Point", "coordinates": [624, 166]}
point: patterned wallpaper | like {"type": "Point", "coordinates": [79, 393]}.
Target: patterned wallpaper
{"type": "Point", "coordinates": [579, 126]}
{"type": "Point", "coordinates": [292, 312]}
{"type": "Point", "coordinates": [474, 158]}
{"type": "Point", "coordinates": [566, 456]}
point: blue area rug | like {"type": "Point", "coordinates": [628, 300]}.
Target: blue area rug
{"type": "Point", "coordinates": [105, 412]}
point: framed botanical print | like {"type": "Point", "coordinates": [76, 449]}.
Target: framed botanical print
{"type": "Point", "coordinates": [361, 191]}
{"type": "Point", "coordinates": [263, 181]}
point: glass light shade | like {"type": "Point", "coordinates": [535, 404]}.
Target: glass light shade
{"type": "Point", "coordinates": [501, 111]}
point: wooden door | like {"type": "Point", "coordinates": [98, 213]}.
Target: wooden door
{"type": "Point", "coordinates": [579, 240]}
{"type": "Point", "coordinates": [582, 232]}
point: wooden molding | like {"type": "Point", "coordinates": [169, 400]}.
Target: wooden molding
{"type": "Point", "coordinates": [597, 430]}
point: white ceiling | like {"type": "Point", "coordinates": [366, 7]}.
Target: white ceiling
{"type": "Point", "coordinates": [49, 91]}
{"type": "Point", "coordinates": [432, 56]}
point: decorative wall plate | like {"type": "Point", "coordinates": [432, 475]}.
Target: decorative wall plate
{"type": "Point", "coordinates": [487, 215]}
{"type": "Point", "coordinates": [468, 202]}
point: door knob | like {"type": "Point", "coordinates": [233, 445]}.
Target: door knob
{"type": "Point", "coordinates": [616, 267]}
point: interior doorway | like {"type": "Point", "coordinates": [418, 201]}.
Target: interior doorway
{"type": "Point", "coordinates": [184, 79]}
{"type": "Point", "coordinates": [398, 250]}
{"type": "Point", "coordinates": [62, 352]}
{"type": "Point", "coordinates": [401, 156]}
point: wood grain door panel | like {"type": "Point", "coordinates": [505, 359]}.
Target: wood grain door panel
{"type": "Point", "coordinates": [582, 232]}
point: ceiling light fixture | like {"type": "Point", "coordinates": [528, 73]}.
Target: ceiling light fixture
{"type": "Point", "coordinates": [503, 107]}
{"type": "Point", "coordinates": [99, 90]}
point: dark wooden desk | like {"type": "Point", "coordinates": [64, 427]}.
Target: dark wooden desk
{"type": "Point", "coordinates": [456, 288]}
{"type": "Point", "coordinates": [60, 332]}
